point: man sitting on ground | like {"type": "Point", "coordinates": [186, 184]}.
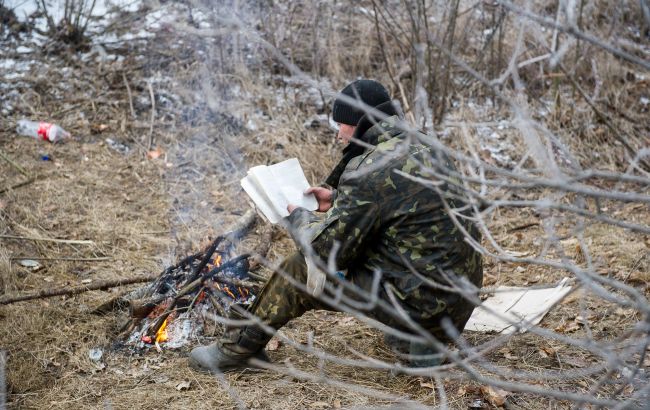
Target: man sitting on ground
{"type": "Point", "coordinates": [399, 255]}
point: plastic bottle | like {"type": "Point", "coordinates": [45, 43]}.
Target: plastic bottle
{"type": "Point", "coordinates": [41, 130]}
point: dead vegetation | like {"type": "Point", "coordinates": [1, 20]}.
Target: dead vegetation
{"type": "Point", "coordinates": [194, 115]}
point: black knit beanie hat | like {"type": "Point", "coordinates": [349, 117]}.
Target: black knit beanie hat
{"type": "Point", "coordinates": [370, 92]}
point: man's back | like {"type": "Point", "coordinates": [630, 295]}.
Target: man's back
{"type": "Point", "coordinates": [405, 232]}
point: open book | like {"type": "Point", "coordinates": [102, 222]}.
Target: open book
{"type": "Point", "coordinates": [274, 187]}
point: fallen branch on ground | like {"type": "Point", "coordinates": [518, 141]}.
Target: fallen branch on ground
{"type": "Point", "coordinates": [33, 238]}
{"type": "Point", "coordinates": [18, 185]}
{"type": "Point", "coordinates": [102, 285]}
{"type": "Point", "coordinates": [68, 259]}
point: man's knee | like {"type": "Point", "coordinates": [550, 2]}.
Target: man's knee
{"type": "Point", "coordinates": [295, 267]}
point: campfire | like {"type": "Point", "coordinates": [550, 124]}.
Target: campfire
{"type": "Point", "coordinates": [172, 310]}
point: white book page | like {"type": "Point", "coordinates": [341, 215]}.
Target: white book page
{"type": "Point", "coordinates": [291, 182]}
{"type": "Point", "coordinates": [265, 180]}
{"type": "Point", "coordinates": [256, 193]}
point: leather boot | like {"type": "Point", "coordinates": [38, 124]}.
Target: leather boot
{"type": "Point", "coordinates": [424, 355]}
{"type": "Point", "coordinates": [420, 355]}
{"type": "Point", "coordinates": [233, 350]}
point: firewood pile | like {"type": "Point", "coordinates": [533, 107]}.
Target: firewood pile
{"type": "Point", "coordinates": [172, 310]}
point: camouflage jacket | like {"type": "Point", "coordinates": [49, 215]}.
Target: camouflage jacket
{"type": "Point", "coordinates": [383, 220]}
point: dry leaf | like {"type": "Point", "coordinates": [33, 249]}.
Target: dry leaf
{"type": "Point", "coordinates": [336, 404]}
{"type": "Point", "coordinates": [184, 385]}
{"type": "Point", "coordinates": [155, 153]}
{"type": "Point", "coordinates": [467, 389]}
{"type": "Point", "coordinates": [319, 405]}
{"type": "Point", "coordinates": [580, 257]}
{"type": "Point", "coordinates": [273, 345]}
{"type": "Point", "coordinates": [97, 128]}
{"type": "Point", "coordinates": [534, 279]}
{"type": "Point", "coordinates": [629, 389]}
{"type": "Point", "coordinates": [547, 351]}
{"type": "Point", "coordinates": [568, 327]}
{"type": "Point", "coordinates": [569, 242]}
{"type": "Point", "coordinates": [495, 396]}
{"type": "Point", "coordinates": [346, 321]}
{"type": "Point", "coordinates": [508, 354]}
{"type": "Point", "coordinates": [573, 297]}
{"type": "Point", "coordinates": [575, 361]}
{"type": "Point", "coordinates": [638, 277]}
{"type": "Point", "coordinates": [429, 385]}
{"type": "Point", "coordinates": [160, 379]}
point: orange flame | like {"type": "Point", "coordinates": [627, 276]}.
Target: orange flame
{"type": "Point", "coordinates": [161, 334]}
{"type": "Point", "coordinates": [225, 289]}
{"type": "Point", "coordinates": [217, 260]}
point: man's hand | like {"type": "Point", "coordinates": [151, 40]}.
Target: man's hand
{"type": "Point", "coordinates": [323, 196]}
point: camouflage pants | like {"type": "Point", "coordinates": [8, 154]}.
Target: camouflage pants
{"type": "Point", "coordinates": [280, 301]}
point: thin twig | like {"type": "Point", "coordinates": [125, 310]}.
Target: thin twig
{"type": "Point", "coordinates": [33, 238]}
{"type": "Point", "coordinates": [3, 388]}
{"type": "Point", "coordinates": [70, 259]}
{"type": "Point", "coordinates": [14, 164]}
{"type": "Point", "coordinates": [128, 91]}
{"type": "Point", "coordinates": [18, 185]}
{"type": "Point", "coordinates": [153, 115]}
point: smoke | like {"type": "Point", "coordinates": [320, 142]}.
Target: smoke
{"type": "Point", "coordinates": [206, 151]}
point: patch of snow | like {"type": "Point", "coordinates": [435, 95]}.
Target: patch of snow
{"type": "Point", "coordinates": [13, 76]}
{"type": "Point", "coordinates": [22, 8]}
{"type": "Point", "coordinates": [250, 125]}
{"type": "Point", "coordinates": [7, 64]}
{"type": "Point", "coordinates": [366, 11]}
{"type": "Point", "coordinates": [496, 146]}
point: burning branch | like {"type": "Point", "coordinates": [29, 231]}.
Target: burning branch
{"type": "Point", "coordinates": [191, 287]}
